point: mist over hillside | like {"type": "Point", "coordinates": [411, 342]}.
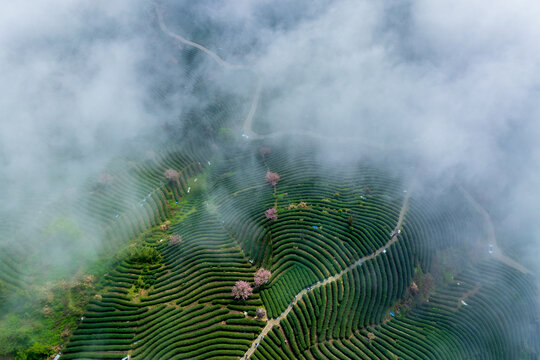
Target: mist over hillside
{"type": "Point", "coordinates": [97, 96]}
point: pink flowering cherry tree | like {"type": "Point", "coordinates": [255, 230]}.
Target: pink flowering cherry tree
{"type": "Point", "coordinates": [264, 151]}
{"type": "Point", "coordinates": [175, 239]}
{"type": "Point", "coordinates": [242, 290]}
{"type": "Point", "coordinates": [262, 276]}
{"type": "Point", "coordinates": [271, 214]}
{"type": "Point", "coordinates": [260, 313]}
{"type": "Point", "coordinates": [272, 178]}
{"type": "Point", "coordinates": [171, 175]}
{"type": "Point", "coordinates": [105, 179]}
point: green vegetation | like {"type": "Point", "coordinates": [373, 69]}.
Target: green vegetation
{"type": "Point", "coordinates": [145, 255]}
{"type": "Point", "coordinates": [440, 329]}
{"type": "Point", "coordinates": [63, 230]}
{"type": "Point", "coordinates": [425, 297]}
{"type": "Point", "coordinates": [44, 309]}
{"type": "Point", "coordinates": [388, 308]}
{"type": "Point", "coordinates": [26, 330]}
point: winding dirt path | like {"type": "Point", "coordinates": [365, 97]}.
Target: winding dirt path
{"type": "Point", "coordinates": [272, 322]}
{"type": "Point", "coordinates": [465, 296]}
{"type": "Point", "coordinates": [248, 121]}
{"type": "Point", "coordinates": [213, 55]}
{"type": "Point", "coordinates": [497, 252]}
{"type": "Point", "coordinates": [247, 127]}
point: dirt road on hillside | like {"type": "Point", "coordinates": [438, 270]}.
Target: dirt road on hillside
{"type": "Point", "coordinates": [273, 322]}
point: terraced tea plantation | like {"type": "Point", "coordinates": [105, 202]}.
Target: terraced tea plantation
{"type": "Point", "coordinates": [236, 180]}
{"type": "Point", "coordinates": [361, 268]}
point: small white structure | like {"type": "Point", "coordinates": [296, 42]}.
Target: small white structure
{"type": "Point", "coordinates": [189, 189]}
{"type": "Point", "coordinates": [464, 303]}
{"type": "Point", "coordinates": [384, 251]}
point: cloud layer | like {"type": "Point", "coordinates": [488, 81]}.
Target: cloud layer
{"type": "Point", "coordinates": [71, 93]}
{"type": "Point", "coordinates": [453, 84]}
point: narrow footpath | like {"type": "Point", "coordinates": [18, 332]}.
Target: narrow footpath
{"type": "Point", "coordinates": [273, 322]}
{"type": "Point", "coordinates": [497, 252]}
{"type": "Point", "coordinates": [248, 121]}
{"type": "Point", "coordinates": [213, 55]}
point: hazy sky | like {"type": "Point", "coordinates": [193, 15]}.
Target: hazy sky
{"type": "Point", "coordinates": [70, 92]}
{"type": "Point", "coordinates": [455, 83]}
